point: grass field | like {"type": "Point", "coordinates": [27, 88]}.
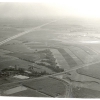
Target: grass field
{"type": "Point", "coordinates": [4, 81]}
{"type": "Point", "coordinates": [9, 86]}
{"type": "Point", "coordinates": [15, 46]}
{"type": "Point", "coordinates": [50, 86]}
{"type": "Point", "coordinates": [91, 70]}
{"type": "Point", "coordinates": [12, 27]}
{"type": "Point", "coordinates": [17, 62]}
{"type": "Point", "coordinates": [6, 58]}
{"type": "Point", "coordinates": [7, 31]}
{"type": "Point", "coordinates": [31, 57]}
{"type": "Point", "coordinates": [38, 36]}
{"type": "Point", "coordinates": [85, 93]}
{"type": "Point", "coordinates": [65, 25]}
{"type": "Point", "coordinates": [2, 52]}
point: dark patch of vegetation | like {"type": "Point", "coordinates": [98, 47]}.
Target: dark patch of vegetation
{"type": "Point", "coordinates": [37, 74]}
{"type": "Point", "coordinates": [52, 67]}
{"type": "Point", "coordinates": [51, 61]}
{"type": "Point", "coordinates": [11, 71]}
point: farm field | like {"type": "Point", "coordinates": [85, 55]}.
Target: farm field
{"type": "Point", "coordinates": [86, 49]}
{"type": "Point", "coordinates": [95, 47]}
{"type": "Point", "coordinates": [4, 81]}
{"type": "Point", "coordinates": [60, 59]}
{"type": "Point", "coordinates": [81, 54]}
{"type": "Point", "coordinates": [29, 93]}
{"type": "Point", "coordinates": [39, 35]}
{"type": "Point", "coordinates": [66, 25]}
{"type": "Point", "coordinates": [40, 68]}
{"type": "Point", "coordinates": [52, 87]}
{"type": "Point", "coordinates": [9, 86]}
{"type": "Point", "coordinates": [77, 60]}
{"type": "Point", "coordinates": [16, 46]}
{"type": "Point", "coordinates": [6, 58]}
{"type": "Point", "coordinates": [17, 62]}
{"type": "Point", "coordinates": [12, 27]}
{"type": "Point", "coordinates": [7, 31]}
{"type": "Point", "coordinates": [91, 70]}
{"type": "Point", "coordinates": [30, 56]}
{"type": "Point", "coordinates": [84, 93]}
{"type": "Point", "coordinates": [2, 51]}
{"type": "Point", "coordinates": [68, 58]}
{"type": "Point", "coordinates": [16, 89]}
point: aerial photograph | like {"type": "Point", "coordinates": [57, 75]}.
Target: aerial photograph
{"type": "Point", "coordinates": [50, 49]}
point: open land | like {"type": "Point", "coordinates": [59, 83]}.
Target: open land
{"type": "Point", "coordinates": [50, 57]}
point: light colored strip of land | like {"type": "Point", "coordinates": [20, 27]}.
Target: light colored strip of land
{"type": "Point", "coordinates": [78, 61]}
{"type": "Point", "coordinates": [60, 59]}
{"type": "Point", "coordinates": [15, 90]}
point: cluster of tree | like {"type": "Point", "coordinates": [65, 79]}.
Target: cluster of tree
{"type": "Point", "coordinates": [21, 70]}
{"type": "Point", "coordinates": [11, 71]}
{"type": "Point", "coordinates": [51, 61]}
{"type": "Point", "coordinates": [29, 60]}
{"type": "Point", "coordinates": [52, 67]}
{"type": "Point", "coordinates": [37, 74]}
{"type": "Point", "coordinates": [43, 51]}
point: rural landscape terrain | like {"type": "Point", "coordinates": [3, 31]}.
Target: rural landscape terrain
{"type": "Point", "coordinates": [50, 49]}
{"type": "Point", "coordinates": [57, 59]}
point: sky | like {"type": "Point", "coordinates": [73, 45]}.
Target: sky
{"type": "Point", "coordinates": [50, 8]}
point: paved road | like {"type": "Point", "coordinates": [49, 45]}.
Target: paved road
{"type": "Point", "coordinates": [75, 68]}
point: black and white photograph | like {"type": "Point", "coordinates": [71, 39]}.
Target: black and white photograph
{"type": "Point", "coordinates": [50, 49]}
